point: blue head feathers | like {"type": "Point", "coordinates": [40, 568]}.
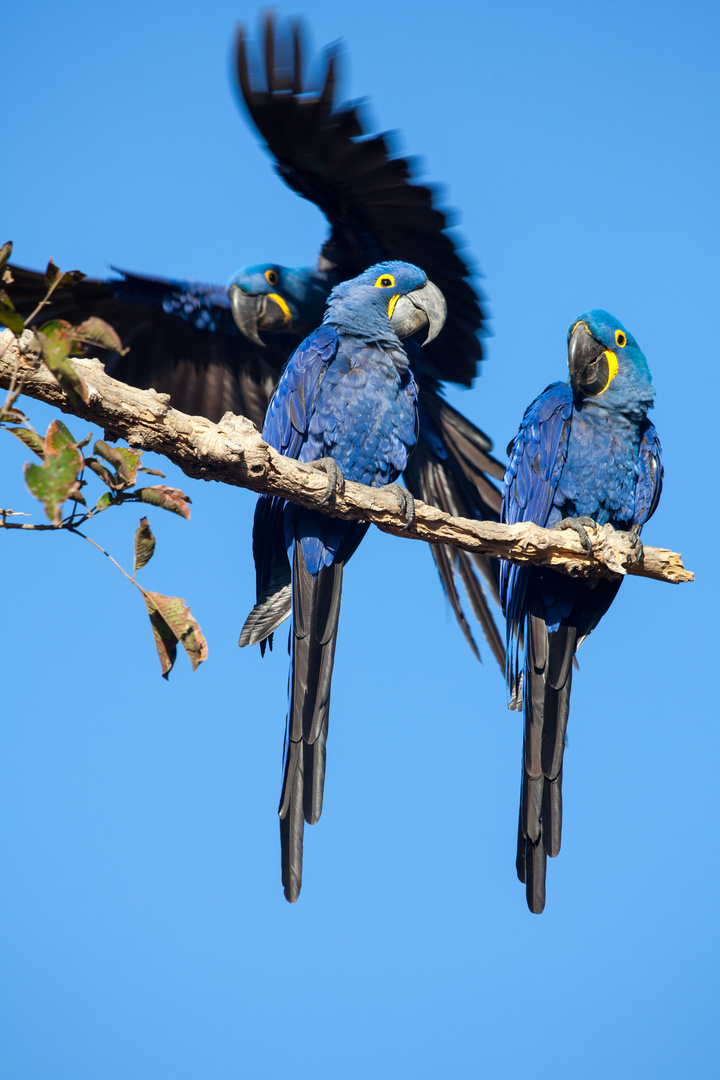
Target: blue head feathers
{"type": "Point", "coordinates": [276, 298]}
{"type": "Point", "coordinates": [606, 364]}
{"type": "Point", "coordinates": [387, 302]}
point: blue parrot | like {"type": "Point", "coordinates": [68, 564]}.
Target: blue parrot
{"type": "Point", "coordinates": [585, 452]}
{"type": "Point", "coordinates": [184, 340]}
{"type": "Point", "coordinates": [346, 402]}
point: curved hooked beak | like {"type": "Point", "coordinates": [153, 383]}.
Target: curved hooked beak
{"type": "Point", "coordinates": [422, 307]}
{"type": "Point", "coordinates": [253, 313]}
{"type": "Point", "coordinates": [592, 367]}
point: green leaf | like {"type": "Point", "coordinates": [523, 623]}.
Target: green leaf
{"type": "Point", "coordinates": [5, 253]}
{"type": "Point", "coordinates": [31, 439]}
{"type": "Point", "coordinates": [144, 545]}
{"type": "Point", "coordinates": [55, 480]}
{"type": "Point", "coordinates": [125, 461]}
{"type": "Point", "coordinates": [166, 497]}
{"type": "Point", "coordinates": [173, 624]}
{"type": "Point", "coordinates": [58, 437]}
{"type": "Point", "coordinates": [104, 501]}
{"type": "Point", "coordinates": [97, 332]}
{"type": "Point", "coordinates": [10, 318]}
{"type": "Point", "coordinates": [55, 339]}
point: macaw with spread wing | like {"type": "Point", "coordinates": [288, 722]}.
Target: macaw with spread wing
{"type": "Point", "coordinates": [585, 452]}
{"type": "Point", "coordinates": [346, 401]}
{"type": "Point", "coordinates": [184, 340]}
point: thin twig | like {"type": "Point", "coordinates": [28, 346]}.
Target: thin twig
{"type": "Point", "coordinates": [45, 300]}
{"type": "Point", "coordinates": [106, 554]}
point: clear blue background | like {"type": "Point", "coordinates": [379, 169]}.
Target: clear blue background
{"type": "Point", "coordinates": [144, 932]}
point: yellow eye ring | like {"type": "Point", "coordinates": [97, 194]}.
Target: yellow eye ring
{"type": "Point", "coordinates": [620, 339]}
{"type": "Point", "coordinates": [271, 277]}
{"type": "Point", "coordinates": [385, 281]}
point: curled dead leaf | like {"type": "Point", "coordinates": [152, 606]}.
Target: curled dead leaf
{"type": "Point", "coordinates": [173, 624]}
{"type": "Point", "coordinates": [144, 545]}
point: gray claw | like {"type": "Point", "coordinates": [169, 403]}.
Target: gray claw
{"type": "Point", "coordinates": [578, 525]}
{"type": "Point", "coordinates": [406, 502]}
{"type": "Point", "coordinates": [335, 478]}
{"type": "Point", "coordinates": [637, 546]}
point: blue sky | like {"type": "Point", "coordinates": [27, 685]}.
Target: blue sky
{"type": "Point", "coordinates": [143, 929]}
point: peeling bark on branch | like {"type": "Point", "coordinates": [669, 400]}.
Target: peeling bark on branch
{"type": "Point", "coordinates": [232, 452]}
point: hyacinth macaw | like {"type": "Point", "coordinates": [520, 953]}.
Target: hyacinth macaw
{"type": "Point", "coordinates": [585, 451]}
{"type": "Point", "coordinates": [184, 340]}
{"type": "Point", "coordinates": [346, 401]}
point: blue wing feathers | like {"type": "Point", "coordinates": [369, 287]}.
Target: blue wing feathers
{"type": "Point", "coordinates": [537, 457]}
{"type": "Point", "coordinates": [650, 475]}
{"type": "Point", "coordinates": [205, 306]}
{"type": "Point", "coordinates": [286, 422]}
{"type": "Point", "coordinates": [536, 460]}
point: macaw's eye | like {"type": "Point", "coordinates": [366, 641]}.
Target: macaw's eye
{"type": "Point", "coordinates": [620, 339]}
{"type": "Point", "coordinates": [385, 281]}
{"type": "Point", "coordinates": [271, 277]}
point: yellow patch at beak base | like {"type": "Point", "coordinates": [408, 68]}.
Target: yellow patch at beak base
{"type": "Point", "coordinates": [612, 368]}
{"type": "Point", "coordinates": [282, 305]}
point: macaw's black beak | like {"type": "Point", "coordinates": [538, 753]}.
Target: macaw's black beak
{"type": "Point", "coordinates": [422, 307]}
{"type": "Point", "coordinates": [246, 310]}
{"type": "Point", "coordinates": [592, 367]}
{"type": "Point", "coordinates": [252, 313]}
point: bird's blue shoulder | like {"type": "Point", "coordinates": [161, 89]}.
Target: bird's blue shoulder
{"type": "Point", "coordinates": [286, 421]}
{"type": "Point", "coordinates": [537, 455]}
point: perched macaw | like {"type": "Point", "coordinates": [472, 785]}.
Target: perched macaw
{"type": "Point", "coordinates": [184, 341]}
{"type": "Point", "coordinates": [346, 401]}
{"type": "Point", "coordinates": [585, 452]}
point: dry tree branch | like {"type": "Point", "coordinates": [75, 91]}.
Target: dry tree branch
{"type": "Point", "coordinates": [233, 452]}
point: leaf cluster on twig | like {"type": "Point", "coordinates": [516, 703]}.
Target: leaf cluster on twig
{"type": "Point", "coordinates": [59, 479]}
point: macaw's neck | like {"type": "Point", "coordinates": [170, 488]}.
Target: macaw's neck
{"type": "Point", "coordinates": [618, 405]}
{"type": "Point", "coordinates": [367, 328]}
{"type": "Point", "coordinates": [308, 288]}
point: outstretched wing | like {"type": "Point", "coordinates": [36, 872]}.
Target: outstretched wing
{"type": "Point", "coordinates": [375, 209]}
{"type": "Point", "coordinates": [182, 340]}
{"type": "Point", "coordinates": [181, 337]}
